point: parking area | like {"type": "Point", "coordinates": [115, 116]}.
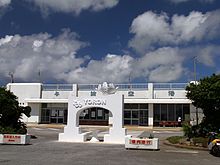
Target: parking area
{"type": "Point", "coordinates": [45, 149]}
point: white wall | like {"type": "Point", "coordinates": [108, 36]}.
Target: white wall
{"type": "Point", "coordinates": [193, 112]}
{"type": "Point", "coordinates": [35, 113]}
{"type": "Point", "coordinates": [52, 94]}
{"type": "Point", "coordinates": [25, 90]}
{"type": "Point", "coordinates": [164, 94]}
{"type": "Point", "coordinates": [137, 94]}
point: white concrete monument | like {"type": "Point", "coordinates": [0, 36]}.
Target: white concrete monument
{"type": "Point", "coordinates": [106, 98]}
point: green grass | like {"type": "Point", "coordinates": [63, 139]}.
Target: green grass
{"type": "Point", "coordinates": [175, 139]}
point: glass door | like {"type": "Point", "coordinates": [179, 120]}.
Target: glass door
{"type": "Point", "coordinates": [57, 116]}
{"type": "Point", "coordinates": [143, 118]}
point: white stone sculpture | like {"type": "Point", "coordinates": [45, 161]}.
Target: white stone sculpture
{"type": "Point", "coordinates": [107, 89]}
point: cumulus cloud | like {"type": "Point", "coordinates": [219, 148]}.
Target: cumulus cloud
{"type": "Point", "coordinates": [207, 55]}
{"type": "Point", "coordinates": [161, 65]}
{"type": "Point", "coordinates": [73, 6]}
{"type": "Point", "coordinates": [180, 1]}
{"type": "Point", "coordinates": [151, 30]}
{"type": "Point", "coordinates": [169, 64]}
{"type": "Point", "coordinates": [4, 6]}
{"type": "Point", "coordinates": [4, 3]}
{"type": "Point", "coordinates": [112, 68]}
{"type": "Point", "coordinates": [58, 61]}
{"type": "Point", "coordinates": [26, 55]}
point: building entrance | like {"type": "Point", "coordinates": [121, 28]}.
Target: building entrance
{"type": "Point", "coordinates": [57, 116]}
{"type": "Point", "coordinates": [54, 113]}
{"type": "Point", "coordinates": [136, 114]}
{"type": "Point", "coordinates": [143, 117]}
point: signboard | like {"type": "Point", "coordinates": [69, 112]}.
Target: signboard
{"type": "Point", "coordinates": [12, 139]}
{"type": "Point", "coordinates": [86, 102]}
{"type": "Point", "coordinates": [140, 141]}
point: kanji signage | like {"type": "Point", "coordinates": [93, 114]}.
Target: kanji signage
{"type": "Point", "coordinates": [7, 138]}
{"type": "Point", "coordinates": [140, 141]}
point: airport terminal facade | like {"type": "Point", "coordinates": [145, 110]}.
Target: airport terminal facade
{"type": "Point", "coordinates": [150, 104]}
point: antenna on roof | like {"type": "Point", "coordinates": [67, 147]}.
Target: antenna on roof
{"type": "Point", "coordinates": [39, 75]}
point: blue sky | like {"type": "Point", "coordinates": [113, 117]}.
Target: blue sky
{"type": "Point", "coordinates": [91, 41]}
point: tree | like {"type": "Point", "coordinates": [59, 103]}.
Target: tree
{"type": "Point", "coordinates": [206, 95]}
{"type": "Point", "coordinates": [11, 113]}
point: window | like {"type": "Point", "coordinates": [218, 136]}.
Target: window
{"type": "Point", "coordinates": [157, 112]}
{"type": "Point", "coordinates": [171, 112]}
{"type": "Point", "coordinates": [164, 112]}
{"type": "Point", "coordinates": [44, 105]}
{"type": "Point", "coordinates": [186, 112]}
{"type": "Point", "coordinates": [131, 106]}
{"type": "Point", "coordinates": [143, 106]}
{"type": "Point", "coordinates": [179, 108]}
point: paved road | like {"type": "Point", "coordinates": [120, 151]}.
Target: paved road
{"type": "Point", "coordinates": [47, 150]}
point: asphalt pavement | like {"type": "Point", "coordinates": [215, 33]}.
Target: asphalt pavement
{"type": "Point", "coordinates": [46, 149]}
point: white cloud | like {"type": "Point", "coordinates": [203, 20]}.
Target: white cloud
{"type": "Point", "coordinates": [151, 30]}
{"type": "Point", "coordinates": [4, 6]}
{"type": "Point", "coordinates": [166, 73]}
{"type": "Point", "coordinates": [205, 54]}
{"type": "Point", "coordinates": [26, 55]}
{"type": "Point", "coordinates": [57, 59]}
{"type": "Point", "coordinates": [112, 68]}
{"type": "Point", "coordinates": [180, 1]}
{"type": "Point", "coordinates": [162, 65]}
{"type": "Point", "coordinates": [4, 3]}
{"type": "Point", "coordinates": [73, 6]}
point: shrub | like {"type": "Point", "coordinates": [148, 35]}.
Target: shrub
{"type": "Point", "coordinates": [187, 129]}
{"type": "Point", "coordinates": [11, 113]}
{"type": "Point", "coordinates": [175, 139]}
{"type": "Point", "coordinates": [200, 141]}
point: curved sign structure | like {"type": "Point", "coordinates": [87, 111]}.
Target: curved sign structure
{"type": "Point", "coordinates": [112, 102]}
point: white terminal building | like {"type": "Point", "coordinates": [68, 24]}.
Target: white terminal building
{"type": "Point", "coordinates": [149, 104]}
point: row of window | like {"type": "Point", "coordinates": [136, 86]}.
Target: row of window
{"type": "Point", "coordinates": [171, 112]}
{"type": "Point", "coordinates": [134, 114]}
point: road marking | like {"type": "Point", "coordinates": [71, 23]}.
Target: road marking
{"type": "Point", "coordinates": [38, 129]}
{"type": "Point", "coordinates": [182, 151]}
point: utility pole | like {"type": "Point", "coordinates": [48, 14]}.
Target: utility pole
{"type": "Point", "coordinates": [194, 66]}
{"type": "Point", "coordinates": [195, 79]}
{"type": "Point", "coordinates": [39, 76]}
{"type": "Point", "coordinates": [11, 74]}
{"type": "Point", "coordinates": [129, 81]}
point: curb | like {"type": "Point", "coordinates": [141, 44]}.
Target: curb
{"type": "Point", "coordinates": [130, 128]}
{"type": "Point", "coordinates": [166, 142]}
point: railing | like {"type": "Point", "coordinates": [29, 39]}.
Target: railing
{"type": "Point", "coordinates": [121, 87]}
{"type": "Point", "coordinates": [85, 87]}
{"type": "Point", "coordinates": [139, 86]}
{"type": "Point", "coordinates": [167, 86]}
{"type": "Point", "coordinates": [57, 87]}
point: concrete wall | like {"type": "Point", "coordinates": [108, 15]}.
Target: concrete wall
{"type": "Point", "coordinates": [25, 90]}
{"type": "Point", "coordinates": [55, 94]}
{"type": "Point", "coordinates": [137, 94]}
{"type": "Point", "coordinates": [148, 96]}
{"type": "Point", "coordinates": [193, 114]}
{"type": "Point", "coordinates": [35, 113]}
{"type": "Point", "coordinates": [164, 94]}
